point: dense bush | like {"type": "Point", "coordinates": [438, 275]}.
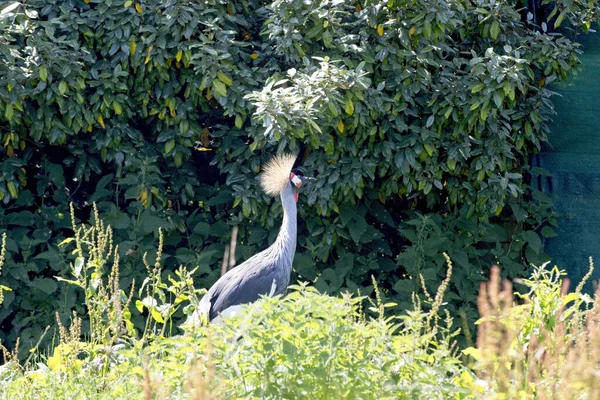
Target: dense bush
{"type": "Point", "coordinates": [418, 118]}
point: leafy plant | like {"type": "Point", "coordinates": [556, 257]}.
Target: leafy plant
{"type": "Point", "coordinates": [541, 347]}
{"type": "Point", "coordinates": [277, 347]}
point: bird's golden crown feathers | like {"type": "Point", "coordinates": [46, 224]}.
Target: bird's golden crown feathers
{"type": "Point", "coordinates": [276, 173]}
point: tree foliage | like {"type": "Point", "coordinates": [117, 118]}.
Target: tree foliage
{"type": "Point", "coordinates": [417, 117]}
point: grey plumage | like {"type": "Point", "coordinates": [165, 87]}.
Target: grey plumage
{"type": "Point", "coordinates": [268, 272]}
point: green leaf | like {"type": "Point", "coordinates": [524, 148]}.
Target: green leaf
{"type": "Point", "coordinates": [483, 113]}
{"type": "Point", "coordinates": [150, 223]}
{"type": "Point", "coordinates": [357, 228]}
{"type": "Point", "coordinates": [239, 122]}
{"type": "Point", "coordinates": [473, 352]}
{"type": "Point", "coordinates": [46, 285]}
{"type": "Point", "coordinates": [43, 73]}
{"type": "Point", "coordinates": [220, 88]}
{"type": "Point", "coordinates": [430, 121]}
{"type": "Point", "coordinates": [169, 146]}
{"type": "Point", "coordinates": [226, 79]}
{"type": "Point", "coordinates": [62, 87]}
{"type": "Point", "coordinates": [548, 232]}
{"type": "Point", "coordinates": [157, 316]}
{"type": "Point", "coordinates": [495, 29]}
{"type": "Point", "coordinates": [21, 218]}
{"type": "Point", "coordinates": [560, 19]}
{"type": "Point", "coordinates": [117, 107]}
{"type": "Point", "coordinates": [477, 87]}
{"type": "Point", "coordinates": [139, 305]}
{"type": "Point", "coordinates": [9, 111]}
{"type": "Point", "coordinates": [305, 267]}
{"type": "Point", "coordinates": [69, 281]}
{"type": "Point", "coordinates": [533, 240]}
{"type": "Point", "coordinates": [315, 126]}
{"type": "Point", "coordinates": [427, 29]}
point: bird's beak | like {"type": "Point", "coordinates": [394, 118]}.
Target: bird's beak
{"type": "Point", "coordinates": [306, 179]}
{"type": "Point", "coordinates": [299, 180]}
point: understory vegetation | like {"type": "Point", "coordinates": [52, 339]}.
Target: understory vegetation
{"type": "Point", "coordinates": [311, 345]}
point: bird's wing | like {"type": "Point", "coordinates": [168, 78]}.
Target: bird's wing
{"type": "Point", "coordinates": [244, 284]}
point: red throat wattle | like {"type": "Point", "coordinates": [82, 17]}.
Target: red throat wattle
{"type": "Point", "coordinates": [297, 183]}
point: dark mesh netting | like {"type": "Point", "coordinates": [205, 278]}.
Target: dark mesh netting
{"type": "Point", "coordinates": [573, 159]}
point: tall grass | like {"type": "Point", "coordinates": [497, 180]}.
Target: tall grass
{"type": "Point", "coordinates": [543, 344]}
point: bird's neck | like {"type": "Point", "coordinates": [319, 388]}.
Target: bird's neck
{"type": "Point", "coordinates": [286, 239]}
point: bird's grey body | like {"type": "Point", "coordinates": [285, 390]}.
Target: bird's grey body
{"type": "Point", "coordinates": [268, 272]}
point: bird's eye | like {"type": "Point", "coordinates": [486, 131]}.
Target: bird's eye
{"type": "Point", "coordinates": [295, 180]}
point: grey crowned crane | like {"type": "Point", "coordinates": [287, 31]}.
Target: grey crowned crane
{"type": "Point", "coordinates": [268, 272]}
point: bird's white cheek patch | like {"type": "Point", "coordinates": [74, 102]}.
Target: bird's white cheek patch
{"type": "Point", "coordinates": [297, 181]}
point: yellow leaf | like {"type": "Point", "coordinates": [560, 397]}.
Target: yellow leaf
{"type": "Point", "coordinates": [132, 47]}
{"type": "Point", "coordinates": [349, 106]}
{"type": "Point", "coordinates": [128, 3]}
{"type": "Point", "coordinates": [138, 7]}
{"type": "Point", "coordinates": [179, 55]}
{"type": "Point", "coordinates": [230, 10]}
{"type": "Point", "coordinates": [100, 120]}
{"type": "Point", "coordinates": [254, 56]}
{"type": "Point", "coordinates": [541, 82]}
{"type": "Point", "coordinates": [148, 55]}
{"type": "Point", "coordinates": [143, 196]}
{"type": "Point", "coordinates": [89, 129]}
{"type": "Point", "coordinates": [9, 87]}
{"type": "Point", "coordinates": [340, 126]}
{"type": "Point", "coordinates": [66, 241]}
{"type": "Point", "coordinates": [412, 31]}
{"type": "Point", "coordinates": [86, 1]}
{"type": "Point", "coordinates": [358, 8]}
{"type": "Point", "coordinates": [380, 30]}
